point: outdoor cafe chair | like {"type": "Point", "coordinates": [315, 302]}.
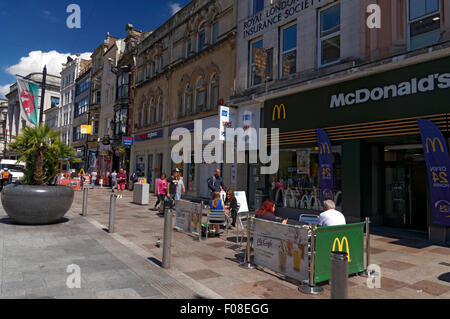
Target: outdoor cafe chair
{"type": "Point", "coordinates": [215, 217]}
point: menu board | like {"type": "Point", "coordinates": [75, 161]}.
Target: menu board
{"type": "Point", "coordinates": [188, 216]}
{"type": "Point", "coordinates": [282, 248]}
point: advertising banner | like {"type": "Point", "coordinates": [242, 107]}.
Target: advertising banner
{"type": "Point", "coordinates": [438, 166]}
{"type": "Point", "coordinates": [28, 98]}
{"type": "Point", "coordinates": [348, 239]}
{"type": "Point", "coordinates": [188, 216]}
{"type": "Point", "coordinates": [326, 166]}
{"type": "Point", "coordinates": [282, 248]}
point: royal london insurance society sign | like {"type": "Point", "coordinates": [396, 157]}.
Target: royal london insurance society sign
{"type": "Point", "coordinates": [279, 12]}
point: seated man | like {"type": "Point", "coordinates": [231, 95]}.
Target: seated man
{"type": "Point", "coordinates": [330, 216]}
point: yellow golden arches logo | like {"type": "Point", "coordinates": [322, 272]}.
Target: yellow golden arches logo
{"type": "Point", "coordinates": [82, 171]}
{"type": "Point", "coordinates": [433, 143]}
{"type": "Point", "coordinates": [340, 244]}
{"type": "Point", "coordinates": [279, 108]}
{"type": "Point", "coordinates": [324, 148]}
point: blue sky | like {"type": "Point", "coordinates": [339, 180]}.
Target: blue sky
{"type": "Point", "coordinates": [33, 33]}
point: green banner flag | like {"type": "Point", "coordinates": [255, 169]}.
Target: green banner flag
{"type": "Point", "coordinates": [348, 239]}
{"type": "Point", "coordinates": [28, 96]}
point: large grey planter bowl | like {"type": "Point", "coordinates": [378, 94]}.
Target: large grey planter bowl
{"type": "Point", "coordinates": [36, 205]}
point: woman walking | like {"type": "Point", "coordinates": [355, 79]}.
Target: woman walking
{"type": "Point", "coordinates": [121, 182]}
{"type": "Point", "coordinates": [161, 190]}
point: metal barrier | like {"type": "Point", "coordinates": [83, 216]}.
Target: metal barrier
{"type": "Point", "coordinates": [339, 275]}
{"type": "Point", "coordinates": [247, 264]}
{"type": "Point", "coordinates": [167, 244]}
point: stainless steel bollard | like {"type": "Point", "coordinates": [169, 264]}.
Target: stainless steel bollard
{"type": "Point", "coordinates": [339, 275]}
{"type": "Point", "coordinates": [112, 213]}
{"type": "Point", "coordinates": [247, 264]}
{"type": "Point", "coordinates": [85, 199]}
{"type": "Point", "coordinates": [167, 244]}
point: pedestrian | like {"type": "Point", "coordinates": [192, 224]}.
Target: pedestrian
{"type": "Point", "coordinates": [180, 186]}
{"type": "Point", "coordinates": [1, 180]}
{"type": "Point", "coordinates": [6, 177]}
{"type": "Point", "coordinates": [330, 216]}
{"type": "Point", "coordinates": [215, 184]}
{"type": "Point", "coordinates": [172, 181]}
{"type": "Point", "coordinates": [93, 177]}
{"type": "Point", "coordinates": [81, 179]}
{"type": "Point", "coordinates": [161, 191]}
{"type": "Point", "coordinates": [133, 180]}
{"type": "Point", "coordinates": [231, 207]}
{"type": "Point", "coordinates": [114, 180]}
{"type": "Point", "coordinates": [121, 182]}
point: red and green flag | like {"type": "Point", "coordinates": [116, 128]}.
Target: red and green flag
{"type": "Point", "coordinates": [28, 97]}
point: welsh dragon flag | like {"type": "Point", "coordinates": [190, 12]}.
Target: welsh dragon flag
{"type": "Point", "coordinates": [28, 97]}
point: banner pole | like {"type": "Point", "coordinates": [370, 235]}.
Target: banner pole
{"type": "Point", "coordinates": [44, 80]}
{"type": "Point", "coordinates": [309, 287]}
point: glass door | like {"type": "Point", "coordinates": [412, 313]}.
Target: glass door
{"type": "Point", "coordinates": [396, 196]}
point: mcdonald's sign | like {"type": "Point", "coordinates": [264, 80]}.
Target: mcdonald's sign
{"type": "Point", "coordinates": [324, 148]}
{"type": "Point", "coordinates": [340, 246]}
{"type": "Point", "coordinates": [279, 108]}
{"type": "Point", "coordinates": [433, 143]}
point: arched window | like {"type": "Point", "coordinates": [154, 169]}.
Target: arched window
{"type": "Point", "coordinates": [188, 46]}
{"type": "Point", "coordinates": [152, 112]}
{"type": "Point", "coordinates": [159, 110]}
{"type": "Point", "coordinates": [200, 96]}
{"type": "Point", "coordinates": [214, 30]}
{"type": "Point", "coordinates": [214, 92]}
{"type": "Point", "coordinates": [201, 38]}
{"type": "Point", "coordinates": [141, 116]}
{"type": "Point", "coordinates": [187, 101]}
{"type": "Point", "coordinates": [149, 112]}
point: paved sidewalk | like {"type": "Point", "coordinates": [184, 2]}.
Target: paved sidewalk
{"type": "Point", "coordinates": [34, 261]}
{"type": "Point", "coordinates": [410, 268]}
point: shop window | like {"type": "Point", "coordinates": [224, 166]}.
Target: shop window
{"type": "Point", "coordinates": [288, 47]}
{"type": "Point", "coordinates": [329, 46]}
{"type": "Point", "coordinates": [190, 182]}
{"type": "Point", "coordinates": [297, 184]}
{"type": "Point", "coordinates": [424, 23]}
{"type": "Point", "coordinates": [257, 6]}
{"type": "Point", "coordinates": [256, 47]}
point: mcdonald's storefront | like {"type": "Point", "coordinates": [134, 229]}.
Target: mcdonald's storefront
{"type": "Point", "coordinates": [371, 120]}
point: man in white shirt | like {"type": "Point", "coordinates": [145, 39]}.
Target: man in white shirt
{"type": "Point", "coordinates": [330, 216]}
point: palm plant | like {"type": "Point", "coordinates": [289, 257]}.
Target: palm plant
{"type": "Point", "coordinates": [41, 150]}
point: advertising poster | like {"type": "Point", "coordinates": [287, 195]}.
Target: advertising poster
{"type": "Point", "coordinates": [188, 216]}
{"type": "Point", "coordinates": [303, 162]}
{"type": "Point", "coordinates": [282, 248]}
{"type": "Point", "coordinates": [325, 166]}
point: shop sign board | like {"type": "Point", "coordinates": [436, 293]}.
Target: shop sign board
{"type": "Point", "coordinates": [282, 248]}
{"type": "Point", "coordinates": [411, 91]}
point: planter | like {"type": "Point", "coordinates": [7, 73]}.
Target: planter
{"type": "Point", "coordinates": [37, 205]}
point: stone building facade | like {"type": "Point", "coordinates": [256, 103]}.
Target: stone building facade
{"type": "Point", "coordinates": [185, 69]}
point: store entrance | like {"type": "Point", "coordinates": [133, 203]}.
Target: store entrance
{"type": "Point", "coordinates": [406, 188]}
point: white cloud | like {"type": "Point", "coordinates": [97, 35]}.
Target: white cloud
{"type": "Point", "coordinates": [36, 60]}
{"type": "Point", "coordinates": [4, 89]}
{"type": "Point", "coordinates": [175, 7]}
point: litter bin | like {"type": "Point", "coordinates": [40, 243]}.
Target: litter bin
{"type": "Point", "coordinates": [260, 197]}
{"type": "Point", "coordinates": [141, 193]}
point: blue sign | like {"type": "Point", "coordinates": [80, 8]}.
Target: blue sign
{"type": "Point", "coordinates": [438, 167]}
{"type": "Point", "coordinates": [225, 113]}
{"type": "Point", "coordinates": [127, 141]}
{"type": "Point", "coordinates": [325, 166]}
{"type": "Point", "coordinates": [148, 136]}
